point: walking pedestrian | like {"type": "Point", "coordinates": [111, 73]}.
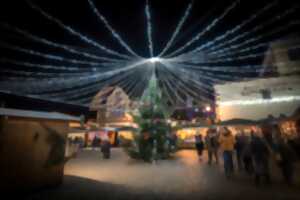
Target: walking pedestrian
{"type": "Point", "coordinates": [174, 142]}
{"type": "Point", "coordinates": [295, 145]}
{"type": "Point", "coordinates": [286, 158]}
{"type": "Point", "coordinates": [212, 145]}
{"type": "Point", "coordinates": [247, 157]}
{"type": "Point", "coordinates": [239, 148]}
{"type": "Point", "coordinates": [95, 143]}
{"type": "Point", "coordinates": [227, 142]}
{"type": "Point", "coordinates": [199, 145]}
{"type": "Point", "coordinates": [172, 138]}
{"type": "Point", "coordinates": [105, 147]}
{"type": "Point", "coordinates": [261, 154]}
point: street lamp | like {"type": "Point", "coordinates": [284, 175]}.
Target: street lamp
{"type": "Point", "coordinates": [207, 108]}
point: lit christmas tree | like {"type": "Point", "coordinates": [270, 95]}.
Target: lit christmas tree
{"type": "Point", "coordinates": [152, 140]}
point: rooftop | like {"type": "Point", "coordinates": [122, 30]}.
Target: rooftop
{"type": "Point", "coordinates": [37, 115]}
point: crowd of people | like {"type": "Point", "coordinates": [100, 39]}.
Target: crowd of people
{"type": "Point", "coordinates": [253, 153]}
{"type": "Point", "coordinates": [102, 143]}
{"type": "Point", "coordinates": [250, 153]}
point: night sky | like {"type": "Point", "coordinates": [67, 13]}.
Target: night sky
{"type": "Point", "coordinates": [128, 19]}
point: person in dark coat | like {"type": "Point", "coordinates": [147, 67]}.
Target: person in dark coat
{"type": "Point", "coordinates": [105, 147]}
{"type": "Point", "coordinates": [96, 143]}
{"type": "Point", "coordinates": [199, 145]}
{"type": "Point", "coordinates": [287, 158]}
{"type": "Point", "coordinates": [173, 142]}
{"type": "Point", "coordinates": [261, 155]}
{"type": "Point", "coordinates": [295, 145]}
{"type": "Point", "coordinates": [212, 145]}
{"type": "Point", "coordinates": [247, 158]}
{"type": "Point", "coordinates": [240, 143]}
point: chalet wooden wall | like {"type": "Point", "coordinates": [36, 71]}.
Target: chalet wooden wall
{"type": "Point", "coordinates": [32, 153]}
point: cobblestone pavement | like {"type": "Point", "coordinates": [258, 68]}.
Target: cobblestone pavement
{"type": "Point", "coordinates": [185, 177]}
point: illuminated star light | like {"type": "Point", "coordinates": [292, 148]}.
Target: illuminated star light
{"type": "Point", "coordinates": [155, 59]}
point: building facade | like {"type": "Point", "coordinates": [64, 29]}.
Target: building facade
{"type": "Point", "coordinates": [112, 105]}
{"type": "Point", "coordinates": [257, 99]}
{"type": "Point", "coordinates": [273, 94]}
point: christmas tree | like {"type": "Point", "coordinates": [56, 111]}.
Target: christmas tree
{"type": "Point", "coordinates": [152, 140]}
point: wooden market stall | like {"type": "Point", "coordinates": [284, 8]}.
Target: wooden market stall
{"type": "Point", "coordinates": [32, 149]}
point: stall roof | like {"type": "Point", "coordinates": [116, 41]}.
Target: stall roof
{"type": "Point", "coordinates": [232, 122]}
{"type": "Point", "coordinates": [125, 128]}
{"type": "Point", "coordinates": [37, 115]}
{"type": "Point", "coordinates": [237, 122]}
{"type": "Point", "coordinates": [194, 126]}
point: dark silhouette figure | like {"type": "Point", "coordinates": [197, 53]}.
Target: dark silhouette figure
{"type": "Point", "coordinates": [261, 154]}
{"type": "Point", "coordinates": [287, 158]}
{"type": "Point", "coordinates": [199, 145]}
